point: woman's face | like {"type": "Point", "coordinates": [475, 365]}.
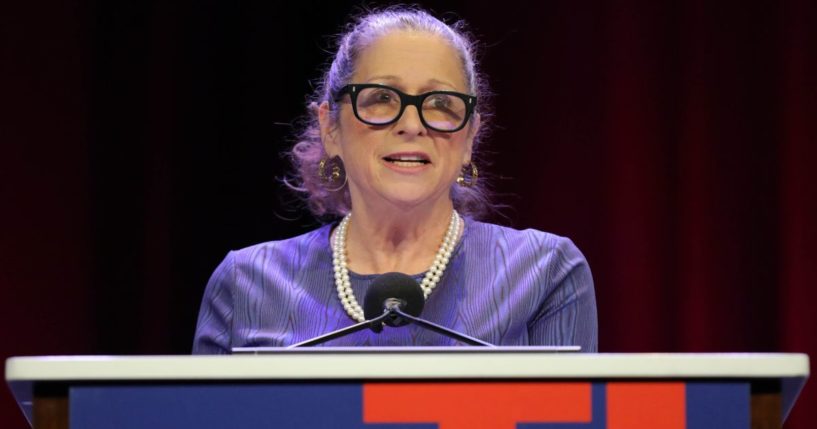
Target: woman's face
{"type": "Point", "coordinates": [414, 63]}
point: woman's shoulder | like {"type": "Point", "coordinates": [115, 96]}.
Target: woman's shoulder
{"type": "Point", "coordinates": [531, 239]}
{"type": "Point", "coordinates": [299, 246]}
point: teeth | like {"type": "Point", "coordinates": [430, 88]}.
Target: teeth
{"type": "Point", "coordinates": [407, 163]}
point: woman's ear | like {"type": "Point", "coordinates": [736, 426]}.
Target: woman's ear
{"type": "Point", "coordinates": [328, 129]}
{"type": "Point", "coordinates": [473, 129]}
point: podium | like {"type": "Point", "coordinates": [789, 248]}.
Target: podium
{"type": "Point", "coordinates": [409, 388]}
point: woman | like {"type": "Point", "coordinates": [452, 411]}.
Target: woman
{"type": "Point", "coordinates": [393, 136]}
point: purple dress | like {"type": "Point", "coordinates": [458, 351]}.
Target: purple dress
{"type": "Point", "coordinates": [503, 286]}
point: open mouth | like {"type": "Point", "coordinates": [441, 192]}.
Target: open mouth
{"type": "Point", "coordinates": [407, 160]}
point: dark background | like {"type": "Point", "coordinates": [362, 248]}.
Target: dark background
{"type": "Point", "coordinates": [674, 142]}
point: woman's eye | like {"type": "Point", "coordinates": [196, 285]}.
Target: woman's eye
{"type": "Point", "coordinates": [440, 102]}
{"type": "Point", "coordinates": [377, 97]}
{"type": "Point", "coordinates": [382, 97]}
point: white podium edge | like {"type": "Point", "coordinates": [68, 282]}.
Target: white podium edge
{"type": "Point", "coordinates": [360, 364]}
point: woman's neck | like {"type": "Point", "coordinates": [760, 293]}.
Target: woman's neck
{"type": "Point", "coordinates": [380, 241]}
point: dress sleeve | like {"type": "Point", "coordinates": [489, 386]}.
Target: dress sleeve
{"type": "Point", "coordinates": [213, 330]}
{"type": "Point", "coordinates": [568, 315]}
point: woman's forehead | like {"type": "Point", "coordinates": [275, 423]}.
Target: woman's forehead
{"type": "Point", "coordinates": [414, 60]}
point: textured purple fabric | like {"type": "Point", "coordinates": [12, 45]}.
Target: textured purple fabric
{"type": "Point", "coordinates": [504, 286]}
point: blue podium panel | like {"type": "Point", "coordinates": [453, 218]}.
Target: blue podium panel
{"type": "Point", "coordinates": [221, 406]}
{"type": "Point", "coordinates": [718, 405]}
{"type": "Point", "coordinates": [414, 405]}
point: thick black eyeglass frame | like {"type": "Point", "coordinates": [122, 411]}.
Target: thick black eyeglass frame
{"type": "Point", "coordinates": [407, 100]}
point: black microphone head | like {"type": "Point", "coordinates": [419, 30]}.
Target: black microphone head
{"type": "Point", "coordinates": [393, 286]}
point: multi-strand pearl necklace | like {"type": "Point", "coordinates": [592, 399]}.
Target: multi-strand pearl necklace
{"type": "Point", "coordinates": [429, 282]}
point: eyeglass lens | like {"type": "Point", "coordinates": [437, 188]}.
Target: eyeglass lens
{"type": "Point", "coordinates": [440, 111]}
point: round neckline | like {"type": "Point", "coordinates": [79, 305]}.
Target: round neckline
{"type": "Point", "coordinates": [467, 221]}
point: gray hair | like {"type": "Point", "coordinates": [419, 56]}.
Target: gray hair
{"type": "Point", "coordinates": [326, 199]}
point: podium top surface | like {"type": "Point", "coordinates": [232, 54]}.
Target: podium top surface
{"type": "Point", "coordinates": [23, 373]}
{"type": "Point", "coordinates": [401, 363]}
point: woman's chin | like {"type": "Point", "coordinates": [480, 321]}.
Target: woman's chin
{"type": "Point", "coordinates": [409, 197]}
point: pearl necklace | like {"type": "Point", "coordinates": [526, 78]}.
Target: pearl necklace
{"type": "Point", "coordinates": [429, 282]}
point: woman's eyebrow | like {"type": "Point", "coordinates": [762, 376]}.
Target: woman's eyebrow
{"type": "Point", "coordinates": [429, 83]}
{"type": "Point", "coordinates": [442, 82]}
{"type": "Point", "coordinates": [388, 77]}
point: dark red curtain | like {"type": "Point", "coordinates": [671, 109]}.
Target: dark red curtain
{"type": "Point", "coordinates": [675, 142]}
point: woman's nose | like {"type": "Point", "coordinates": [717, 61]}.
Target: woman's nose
{"type": "Point", "coordinates": [410, 122]}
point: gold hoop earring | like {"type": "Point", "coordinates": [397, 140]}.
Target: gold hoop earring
{"type": "Point", "coordinates": [470, 181]}
{"type": "Point", "coordinates": [333, 176]}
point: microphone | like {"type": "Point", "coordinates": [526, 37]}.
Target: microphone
{"type": "Point", "coordinates": [397, 300]}
{"type": "Point", "coordinates": [393, 291]}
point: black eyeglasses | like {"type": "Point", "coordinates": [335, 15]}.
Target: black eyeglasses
{"type": "Point", "coordinates": [375, 104]}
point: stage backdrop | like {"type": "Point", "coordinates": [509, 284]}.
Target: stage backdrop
{"type": "Point", "coordinates": [674, 142]}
